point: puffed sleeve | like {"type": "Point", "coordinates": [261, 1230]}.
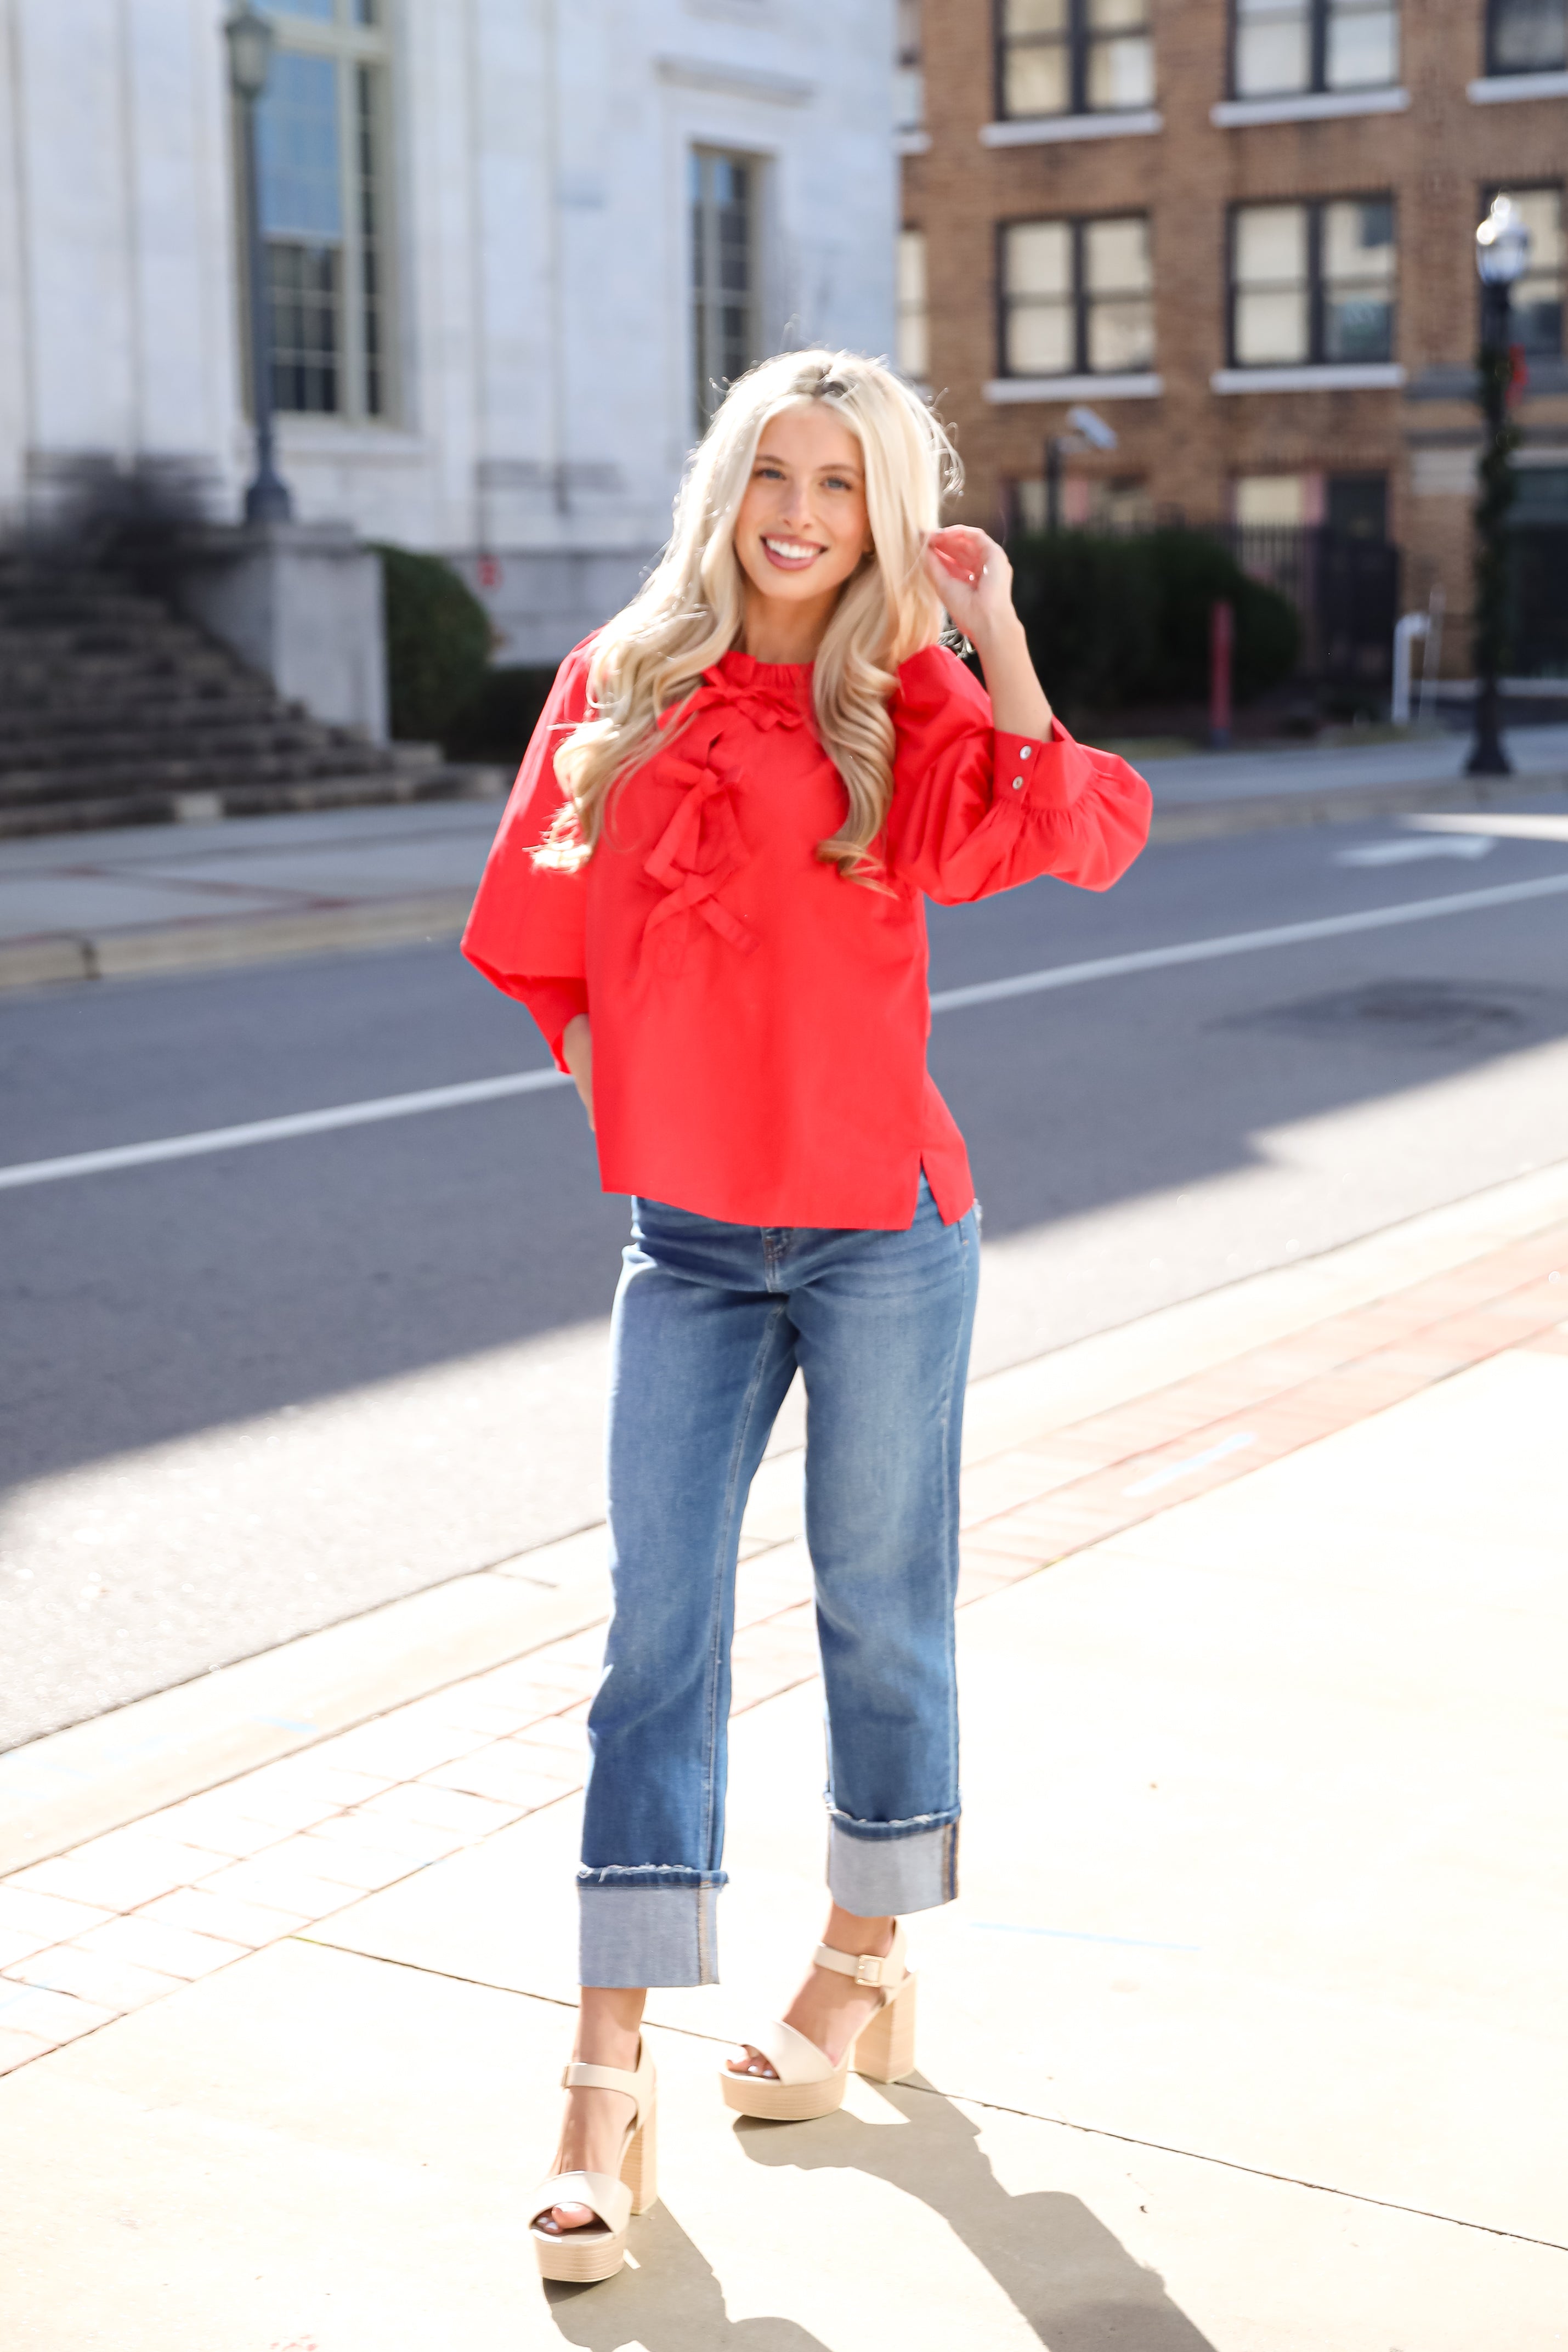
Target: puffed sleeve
{"type": "Point", "coordinates": [526, 929]}
{"type": "Point", "coordinates": [974, 811]}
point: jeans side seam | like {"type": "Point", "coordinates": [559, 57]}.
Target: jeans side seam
{"type": "Point", "coordinates": [950, 1520]}
{"type": "Point", "coordinates": [738, 1455]}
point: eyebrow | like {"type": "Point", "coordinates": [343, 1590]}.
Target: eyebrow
{"type": "Point", "coordinates": [769, 457]}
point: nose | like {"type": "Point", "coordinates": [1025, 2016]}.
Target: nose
{"type": "Point", "coordinates": [797, 507]}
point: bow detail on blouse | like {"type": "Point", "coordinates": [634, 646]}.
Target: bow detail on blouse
{"type": "Point", "coordinates": [767, 704]}
{"type": "Point", "coordinates": [699, 850]}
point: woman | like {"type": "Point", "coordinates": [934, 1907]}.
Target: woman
{"type": "Point", "coordinates": [708, 891]}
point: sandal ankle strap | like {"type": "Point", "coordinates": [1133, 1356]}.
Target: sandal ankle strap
{"type": "Point", "coordinates": [866, 1968]}
{"type": "Point", "coordinates": [578, 2077]}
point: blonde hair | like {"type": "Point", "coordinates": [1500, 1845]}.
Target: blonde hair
{"type": "Point", "coordinates": [691, 610]}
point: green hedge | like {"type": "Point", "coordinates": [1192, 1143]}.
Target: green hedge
{"type": "Point", "coordinates": [495, 723]}
{"type": "Point", "coordinates": [1115, 621]}
{"type": "Point", "coordinates": [438, 644]}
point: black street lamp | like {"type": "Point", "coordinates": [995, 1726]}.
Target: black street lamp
{"type": "Point", "coordinates": [250, 40]}
{"type": "Point", "coordinates": [1502, 251]}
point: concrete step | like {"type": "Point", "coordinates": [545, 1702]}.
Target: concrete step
{"type": "Point", "coordinates": [246, 737]}
{"type": "Point", "coordinates": [381, 788]}
{"type": "Point", "coordinates": [22, 787]}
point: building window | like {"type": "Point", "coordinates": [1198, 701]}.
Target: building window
{"type": "Point", "coordinates": [1527, 37]}
{"type": "Point", "coordinates": [1311, 283]}
{"type": "Point", "coordinates": [1536, 315]}
{"type": "Point", "coordinates": [1074, 56]}
{"type": "Point", "coordinates": [320, 150]}
{"type": "Point", "coordinates": [913, 315]}
{"type": "Point", "coordinates": [1272, 502]}
{"type": "Point", "coordinates": [1077, 297]}
{"type": "Point", "coordinates": [724, 274]}
{"type": "Point", "coordinates": [909, 79]}
{"type": "Point", "coordinates": [1283, 47]}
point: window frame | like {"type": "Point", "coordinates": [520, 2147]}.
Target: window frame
{"type": "Point", "coordinates": [1078, 225]}
{"type": "Point", "coordinates": [355, 48]}
{"type": "Point", "coordinates": [1316, 284]}
{"type": "Point", "coordinates": [1491, 66]}
{"type": "Point", "coordinates": [1319, 86]}
{"type": "Point", "coordinates": [697, 152]}
{"type": "Point", "coordinates": [1078, 41]}
{"type": "Point", "coordinates": [904, 308]}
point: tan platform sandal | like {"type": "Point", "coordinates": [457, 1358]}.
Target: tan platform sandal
{"type": "Point", "coordinates": [807, 2085]}
{"type": "Point", "coordinates": [596, 2252]}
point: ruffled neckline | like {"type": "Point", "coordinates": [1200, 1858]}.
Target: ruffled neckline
{"type": "Point", "coordinates": [757, 677]}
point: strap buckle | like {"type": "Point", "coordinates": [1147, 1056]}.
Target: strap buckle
{"type": "Point", "coordinates": [868, 1969]}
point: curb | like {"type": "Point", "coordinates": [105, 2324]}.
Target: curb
{"type": "Point", "coordinates": [55, 957]}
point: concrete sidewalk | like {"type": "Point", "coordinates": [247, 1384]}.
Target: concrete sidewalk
{"type": "Point", "coordinates": [1247, 2031]}
{"type": "Point", "coordinates": [172, 898]}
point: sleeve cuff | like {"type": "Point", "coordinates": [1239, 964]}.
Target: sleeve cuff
{"type": "Point", "coordinates": [1034, 774]}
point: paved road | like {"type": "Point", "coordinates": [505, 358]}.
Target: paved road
{"type": "Point", "coordinates": [260, 1390]}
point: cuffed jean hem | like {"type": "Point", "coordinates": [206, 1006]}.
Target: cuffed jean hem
{"type": "Point", "coordinates": [879, 1874]}
{"type": "Point", "coordinates": [646, 1933]}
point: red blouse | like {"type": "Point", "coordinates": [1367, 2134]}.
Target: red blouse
{"type": "Point", "coordinates": [759, 1023]}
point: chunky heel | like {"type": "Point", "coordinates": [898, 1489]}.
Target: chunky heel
{"type": "Point", "coordinates": [640, 2167]}
{"type": "Point", "coordinates": [804, 2084]}
{"type": "Point", "coordinates": [597, 2251]}
{"type": "Point", "coordinates": [885, 2051]}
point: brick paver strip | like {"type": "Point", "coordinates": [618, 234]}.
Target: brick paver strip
{"type": "Point", "coordinates": [295, 1840]}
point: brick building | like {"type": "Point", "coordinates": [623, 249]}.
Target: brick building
{"type": "Point", "coordinates": [1242, 231]}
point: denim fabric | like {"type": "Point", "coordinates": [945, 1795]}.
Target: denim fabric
{"type": "Point", "coordinates": [711, 1321]}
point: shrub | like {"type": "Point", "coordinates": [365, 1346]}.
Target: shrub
{"type": "Point", "coordinates": [1112, 622]}
{"type": "Point", "coordinates": [498, 718]}
{"type": "Point", "coordinates": [438, 644]}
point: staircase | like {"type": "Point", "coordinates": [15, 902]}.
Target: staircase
{"type": "Point", "coordinates": [114, 710]}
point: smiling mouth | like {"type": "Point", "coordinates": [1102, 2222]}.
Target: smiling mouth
{"type": "Point", "coordinates": [791, 554]}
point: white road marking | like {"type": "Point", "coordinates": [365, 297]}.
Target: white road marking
{"type": "Point", "coordinates": [1174, 1470]}
{"type": "Point", "coordinates": [950, 1000]}
{"type": "Point", "coordinates": [1541, 825]}
{"type": "Point", "coordinates": [1283, 935]}
{"type": "Point", "coordinates": [275, 1131]}
{"type": "Point", "coordinates": [1407, 847]}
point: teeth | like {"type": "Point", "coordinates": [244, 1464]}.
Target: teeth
{"type": "Point", "coordinates": [791, 549]}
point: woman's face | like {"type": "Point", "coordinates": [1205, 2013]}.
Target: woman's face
{"type": "Point", "coordinates": [801, 528]}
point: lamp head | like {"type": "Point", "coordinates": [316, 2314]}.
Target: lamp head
{"type": "Point", "coordinates": [1093, 427]}
{"type": "Point", "coordinates": [250, 40]}
{"type": "Point", "coordinates": [1503, 244]}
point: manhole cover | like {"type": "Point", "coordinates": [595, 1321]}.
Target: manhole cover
{"type": "Point", "coordinates": [1415, 1012]}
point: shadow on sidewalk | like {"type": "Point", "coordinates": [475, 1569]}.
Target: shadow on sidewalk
{"type": "Point", "coordinates": [672, 2301]}
{"type": "Point", "coordinates": [1070, 2279]}
{"type": "Point", "coordinates": [1067, 2275]}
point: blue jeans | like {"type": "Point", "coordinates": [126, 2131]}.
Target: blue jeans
{"type": "Point", "coordinates": [711, 1321]}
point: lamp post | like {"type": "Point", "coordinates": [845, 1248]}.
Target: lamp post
{"type": "Point", "coordinates": [1502, 251]}
{"type": "Point", "coordinates": [250, 40]}
{"type": "Point", "coordinates": [1088, 430]}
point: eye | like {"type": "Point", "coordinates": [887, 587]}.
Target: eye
{"type": "Point", "coordinates": [837, 482]}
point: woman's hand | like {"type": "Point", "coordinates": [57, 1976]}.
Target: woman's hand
{"type": "Point", "coordinates": [975, 581]}
{"type": "Point", "coordinates": [577, 1052]}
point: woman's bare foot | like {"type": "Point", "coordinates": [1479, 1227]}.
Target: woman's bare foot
{"type": "Point", "coordinates": [830, 2010]}
{"type": "Point", "coordinates": [594, 2130]}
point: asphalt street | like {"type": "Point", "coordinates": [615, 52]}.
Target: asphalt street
{"type": "Point", "coordinates": [260, 1390]}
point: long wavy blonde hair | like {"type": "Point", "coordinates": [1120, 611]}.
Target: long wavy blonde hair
{"type": "Point", "coordinates": [692, 608]}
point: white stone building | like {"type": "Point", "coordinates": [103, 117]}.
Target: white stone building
{"type": "Point", "coordinates": [508, 242]}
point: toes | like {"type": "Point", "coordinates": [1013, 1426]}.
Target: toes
{"type": "Point", "coordinates": [569, 2217]}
